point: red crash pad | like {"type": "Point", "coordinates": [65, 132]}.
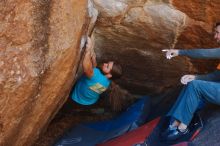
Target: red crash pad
{"type": "Point", "coordinates": [136, 136]}
{"type": "Point", "coordinates": [181, 144]}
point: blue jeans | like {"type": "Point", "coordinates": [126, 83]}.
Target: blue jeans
{"type": "Point", "coordinates": [192, 96]}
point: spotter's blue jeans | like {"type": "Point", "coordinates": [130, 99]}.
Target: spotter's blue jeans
{"type": "Point", "coordinates": [192, 97]}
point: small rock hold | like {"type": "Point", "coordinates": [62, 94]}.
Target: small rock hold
{"type": "Point", "coordinates": [19, 79]}
{"type": "Point", "coordinates": [18, 72]}
{"type": "Point", "coordinates": [15, 59]}
{"type": "Point", "coordinates": [1, 63]}
{"type": "Point", "coordinates": [12, 72]}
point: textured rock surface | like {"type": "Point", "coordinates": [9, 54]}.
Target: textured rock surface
{"type": "Point", "coordinates": [39, 43]}
{"type": "Point", "coordinates": [39, 49]}
{"type": "Point", "coordinates": [135, 31]}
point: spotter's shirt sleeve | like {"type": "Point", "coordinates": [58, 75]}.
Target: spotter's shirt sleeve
{"type": "Point", "coordinates": [201, 53]}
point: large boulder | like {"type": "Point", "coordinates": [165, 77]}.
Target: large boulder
{"type": "Point", "coordinates": [135, 31]}
{"type": "Point", "coordinates": [39, 53]}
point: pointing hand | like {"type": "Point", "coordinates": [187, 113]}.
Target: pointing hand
{"type": "Point", "coordinates": [170, 53]}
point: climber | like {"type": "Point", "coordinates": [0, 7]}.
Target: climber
{"type": "Point", "coordinates": [95, 79]}
{"type": "Point", "coordinates": [199, 89]}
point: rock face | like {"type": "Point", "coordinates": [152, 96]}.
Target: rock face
{"type": "Point", "coordinates": [39, 52]}
{"type": "Point", "coordinates": [134, 32]}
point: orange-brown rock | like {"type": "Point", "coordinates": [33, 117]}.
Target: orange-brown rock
{"type": "Point", "coordinates": [39, 52]}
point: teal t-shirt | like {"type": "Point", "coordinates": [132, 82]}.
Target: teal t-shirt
{"type": "Point", "coordinates": [87, 90]}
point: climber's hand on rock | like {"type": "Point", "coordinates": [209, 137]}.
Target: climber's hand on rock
{"type": "Point", "coordinates": [89, 44]}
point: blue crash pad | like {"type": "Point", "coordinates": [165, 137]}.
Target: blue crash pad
{"type": "Point", "coordinates": [90, 134]}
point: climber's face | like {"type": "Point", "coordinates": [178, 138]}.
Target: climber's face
{"type": "Point", "coordinates": [107, 67]}
{"type": "Point", "coordinates": [217, 34]}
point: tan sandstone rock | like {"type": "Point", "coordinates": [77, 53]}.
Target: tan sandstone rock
{"type": "Point", "coordinates": [39, 52]}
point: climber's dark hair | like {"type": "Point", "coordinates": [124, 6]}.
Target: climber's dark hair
{"type": "Point", "coordinates": [116, 71]}
{"type": "Point", "coordinates": [217, 24]}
